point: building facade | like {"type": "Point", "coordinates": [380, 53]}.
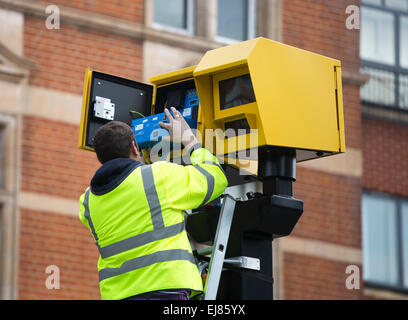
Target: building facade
{"type": "Point", "coordinates": [355, 220]}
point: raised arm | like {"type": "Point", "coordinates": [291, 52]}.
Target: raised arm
{"type": "Point", "coordinates": [189, 187]}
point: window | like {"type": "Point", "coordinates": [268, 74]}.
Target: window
{"type": "Point", "coordinates": [2, 198]}
{"type": "Point", "coordinates": [174, 15]}
{"type": "Point", "coordinates": [2, 155]}
{"type": "Point", "coordinates": [236, 92]}
{"type": "Point", "coordinates": [384, 52]}
{"type": "Point", "coordinates": [8, 184]}
{"type": "Point", "coordinates": [385, 241]}
{"type": "Point", "coordinates": [236, 20]}
{"type": "Point", "coordinates": [1, 250]}
{"type": "Point", "coordinates": [404, 220]}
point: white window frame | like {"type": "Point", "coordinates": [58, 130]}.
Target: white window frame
{"type": "Point", "coordinates": [8, 216]}
{"type": "Point", "coordinates": [399, 237]}
{"type": "Point", "coordinates": [251, 24]}
{"type": "Point", "coordinates": [190, 23]}
{"type": "Point", "coordinates": [393, 100]}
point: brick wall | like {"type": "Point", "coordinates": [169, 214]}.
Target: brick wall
{"type": "Point", "coordinates": [385, 156]}
{"type": "Point", "coordinates": [352, 116]}
{"type": "Point", "coordinates": [55, 239]}
{"type": "Point", "coordinates": [63, 55]}
{"type": "Point", "coordinates": [319, 26]}
{"type": "Point", "coordinates": [125, 10]}
{"type": "Point", "coordinates": [51, 161]}
{"type": "Point", "coordinates": [331, 207]}
{"type": "Point", "coordinates": [314, 278]}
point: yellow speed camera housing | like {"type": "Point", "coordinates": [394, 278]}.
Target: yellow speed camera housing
{"type": "Point", "coordinates": [290, 97]}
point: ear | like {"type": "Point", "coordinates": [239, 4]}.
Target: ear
{"type": "Point", "coordinates": [134, 149]}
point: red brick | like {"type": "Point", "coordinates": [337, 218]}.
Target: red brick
{"type": "Point", "coordinates": [352, 116]}
{"type": "Point", "coordinates": [308, 277]}
{"type": "Point", "coordinates": [319, 26]}
{"type": "Point", "coordinates": [51, 161]}
{"type": "Point", "coordinates": [331, 207]}
{"type": "Point", "coordinates": [55, 239]}
{"type": "Point", "coordinates": [61, 56]}
{"type": "Point", "coordinates": [385, 154]}
{"type": "Point", "coordinates": [130, 10]}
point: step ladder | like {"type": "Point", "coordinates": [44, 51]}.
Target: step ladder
{"type": "Point", "coordinates": [218, 249]}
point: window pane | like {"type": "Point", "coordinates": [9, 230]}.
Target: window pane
{"type": "Point", "coordinates": [380, 88]}
{"type": "Point", "coordinates": [404, 42]}
{"type": "Point", "coordinates": [2, 155]}
{"type": "Point", "coordinates": [405, 243]}
{"type": "Point", "coordinates": [403, 91]}
{"type": "Point", "coordinates": [377, 36]}
{"type": "Point", "coordinates": [397, 4]}
{"type": "Point", "coordinates": [379, 240]}
{"type": "Point", "coordinates": [2, 256]}
{"type": "Point", "coordinates": [375, 2]}
{"type": "Point", "coordinates": [236, 92]}
{"type": "Point", "coordinates": [171, 13]}
{"type": "Point", "coordinates": [232, 19]}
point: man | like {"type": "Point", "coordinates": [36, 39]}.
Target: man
{"type": "Point", "coordinates": [134, 212]}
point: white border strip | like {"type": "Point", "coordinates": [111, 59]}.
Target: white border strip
{"type": "Point", "coordinates": [48, 203]}
{"type": "Point", "coordinates": [321, 249]}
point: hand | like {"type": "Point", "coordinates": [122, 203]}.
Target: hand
{"type": "Point", "coordinates": [179, 130]}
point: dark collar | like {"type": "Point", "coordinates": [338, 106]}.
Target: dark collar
{"type": "Point", "coordinates": [111, 174]}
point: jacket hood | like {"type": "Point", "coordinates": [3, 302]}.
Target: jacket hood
{"type": "Point", "coordinates": [111, 174]}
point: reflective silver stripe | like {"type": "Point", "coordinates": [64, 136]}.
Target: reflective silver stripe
{"type": "Point", "coordinates": [141, 239]}
{"type": "Point", "coordinates": [152, 197]}
{"type": "Point", "coordinates": [88, 216]}
{"type": "Point", "coordinates": [147, 260]}
{"type": "Point", "coordinates": [210, 183]}
{"type": "Point", "coordinates": [215, 164]}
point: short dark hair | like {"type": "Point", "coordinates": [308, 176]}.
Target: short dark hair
{"type": "Point", "coordinates": [113, 140]}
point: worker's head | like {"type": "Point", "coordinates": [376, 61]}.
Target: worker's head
{"type": "Point", "coordinates": [115, 140]}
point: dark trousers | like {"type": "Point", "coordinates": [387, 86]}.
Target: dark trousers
{"type": "Point", "coordinates": [162, 295]}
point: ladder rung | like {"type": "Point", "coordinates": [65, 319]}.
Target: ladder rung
{"type": "Point", "coordinates": [244, 262]}
{"type": "Point", "coordinates": [205, 251]}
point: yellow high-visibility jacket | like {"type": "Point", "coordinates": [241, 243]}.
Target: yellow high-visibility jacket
{"type": "Point", "coordinates": [134, 212]}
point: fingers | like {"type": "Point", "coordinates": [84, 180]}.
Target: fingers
{"type": "Point", "coordinates": [165, 125]}
{"type": "Point", "coordinates": [168, 115]}
{"type": "Point", "coordinates": [176, 114]}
